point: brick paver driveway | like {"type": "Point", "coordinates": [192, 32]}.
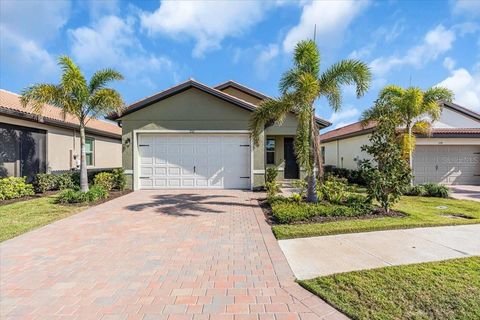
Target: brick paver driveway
{"type": "Point", "coordinates": [155, 255]}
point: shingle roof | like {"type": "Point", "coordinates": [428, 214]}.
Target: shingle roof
{"type": "Point", "coordinates": [241, 87]}
{"type": "Point", "coordinates": [10, 104]}
{"type": "Point", "coordinates": [456, 131]}
{"type": "Point", "coordinates": [347, 131]}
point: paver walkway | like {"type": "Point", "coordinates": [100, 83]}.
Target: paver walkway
{"type": "Point", "coordinates": [155, 255]}
{"type": "Point", "coordinates": [320, 256]}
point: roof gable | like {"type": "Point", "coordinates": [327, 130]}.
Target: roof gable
{"type": "Point", "coordinates": [242, 88]}
{"type": "Point", "coordinates": [180, 88]}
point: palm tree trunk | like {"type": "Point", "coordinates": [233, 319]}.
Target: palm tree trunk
{"type": "Point", "coordinates": [83, 160]}
{"type": "Point", "coordinates": [410, 152]}
{"type": "Point", "coordinates": [312, 181]}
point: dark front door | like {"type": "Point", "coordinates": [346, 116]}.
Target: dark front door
{"type": "Point", "coordinates": [291, 166]}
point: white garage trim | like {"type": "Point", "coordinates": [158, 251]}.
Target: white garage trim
{"type": "Point", "coordinates": [136, 162]}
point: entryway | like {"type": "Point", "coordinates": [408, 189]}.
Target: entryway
{"type": "Point", "coordinates": [291, 166]}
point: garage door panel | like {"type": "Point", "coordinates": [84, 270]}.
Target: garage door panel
{"type": "Point", "coordinates": [448, 165]}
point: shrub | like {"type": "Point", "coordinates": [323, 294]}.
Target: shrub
{"type": "Point", "coordinates": [296, 197]}
{"type": "Point", "coordinates": [417, 190]}
{"type": "Point", "coordinates": [47, 182]}
{"type": "Point", "coordinates": [288, 212]}
{"type": "Point", "coordinates": [105, 180]}
{"type": "Point", "coordinates": [72, 196]}
{"type": "Point", "coordinates": [353, 176]}
{"type": "Point", "coordinates": [334, 189]}
{"type": "Point", "coordinates": [301, 185]}
{"type": "Point", "coordinates": [271, 174]}
{"type": "Point", "coordinates": [436, 190]}
{"type": "Point", "coordinates": [272, 188]}
{"type": "Point", "coordinates": [361, 205]}
{"type": "Point", "coordinates": [14, 187]}
{"type": "Point", "coordinates": [119, 178]}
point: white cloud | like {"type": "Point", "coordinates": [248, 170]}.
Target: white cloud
{"type": "Point", "coordinates": [467, 7]}
{"type": "Point", "coordinates": [25, 26]}
{"type": "Point", "coordinates": [449, 63]}
{"type": "Point", "coordinates": [436, 42]}
{"type": "Point", "coordinates": [344, 117]}
{"type": "Point", "coordinates": [466, 87]}
{"type": "Point", "coordinates": [330, 17]}
{"type": "Point", "coordinates": [207, 22]}
{"type": "Point", "coordinates": [264, 60]}
{"type": "Point", "coordinates": [100, 8]}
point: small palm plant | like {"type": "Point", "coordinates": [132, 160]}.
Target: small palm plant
{"type": "Point", "coordinates": [75, 96]}
{"type": "Point", "coordinates": [300, 87]}
{"type": "Point", "coordinates": [416, 109]}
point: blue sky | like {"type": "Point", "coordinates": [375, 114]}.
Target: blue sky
{"type": "Point", "coordinates": [158, 44]}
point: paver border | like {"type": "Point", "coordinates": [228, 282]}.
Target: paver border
{"type": "Point", "coordinates": [285, 275]}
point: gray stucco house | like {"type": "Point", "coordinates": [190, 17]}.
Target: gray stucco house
{"type": "Point", "coordinates": [196, 136]}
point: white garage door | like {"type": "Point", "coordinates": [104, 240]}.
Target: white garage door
{"type": "Point", "coordinates": [194, 161]}
{"type": "Point", "coordinates": [447, 164]}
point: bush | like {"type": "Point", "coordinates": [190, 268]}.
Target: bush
{"type": "Point", "coordinates": [288, 212]}
{"type": "Point", "coordinates": [436, 190]}
{"type": "Point", "coordinates": [353, 176]}
{"type": "Point", "coordinates": [73, 196]}
{"type": "Point", "coordinates": [272, 188]}
{"type": "Point", "coordinates": [271, 174]}
{"type": "Point", "coordinates": [334, 190]}
{"type": "Point", "coordinates": [417, 190]}
{"type": "Point", "coordinates": [106, 180]}
{"type": "Point", "coordinates": [119, 178]}
{"type": "Point", "coordinates": [47, 182]}
{"type": "Point", "coordinates": [13, 187]}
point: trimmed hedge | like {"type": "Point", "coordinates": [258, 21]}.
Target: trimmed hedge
{"type": "Point", "coordinates": [353, 176]}
{"type": "Point", "coordinates": [14, 187]}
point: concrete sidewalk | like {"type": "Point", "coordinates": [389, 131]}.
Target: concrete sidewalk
{"type": "Point", "coordinates": [320, 256]}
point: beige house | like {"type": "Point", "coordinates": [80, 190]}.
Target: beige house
{"type": "Point", "coordinates": [30, 143]}
{"type": "Point", "coordinates": [451, 155]}
{"type": "Point", "coordinates": [196, 136]}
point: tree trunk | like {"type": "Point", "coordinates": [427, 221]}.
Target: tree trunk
{"type": "Point", "coordinates": [83, 160]}
{"type": "Point", "coordinates": [312, 180]}
{"type": "Point", "coordinates": [410, 155]}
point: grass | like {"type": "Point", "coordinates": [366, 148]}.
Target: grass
{"type": "Point", "coordinates": [420, 211]}
{"type": "Point", "coordinates": [435, 290]}
{"type": "Point", "coordinates": [20, 217]}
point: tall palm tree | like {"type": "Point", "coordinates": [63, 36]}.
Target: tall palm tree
{"type": "Point", "coordinates": [300, 87]}
{"type": "Point", "coordinates": [75, 96]}
{"type": "Point", "coordinates": [417, 110]}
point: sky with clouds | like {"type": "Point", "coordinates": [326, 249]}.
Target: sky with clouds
{"type": "Point", "coordinates": [158, 44]}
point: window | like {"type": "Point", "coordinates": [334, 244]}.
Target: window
{"type": "Point", "coordinates": [270, 148]}
{"type": "Point", "coordinates": [89, 151]}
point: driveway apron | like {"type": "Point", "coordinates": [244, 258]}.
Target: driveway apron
{"type": "Point", "coordinates": [155, 255]}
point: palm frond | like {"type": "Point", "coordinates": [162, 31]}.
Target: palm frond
{"type": "Point", "coordinates": [333, 94]}
{"type": "Point", "coordinates": [73, 81]}
{"type": "Point", "coordinates": [408, 144]}
{"type": "Point", "coordinates": [347, 72]}
{"type": "Point", "coordinates": [104, 101]}
{"type": "Point", "coordinates": [40, 94]}
{"type": "Point", "coordinates": [432, 100]}
{"type": "Point", "coordinates": [306, 57]}
{"type": "Point", "coordinates": [288, 80]}
{"type": "Point", "coordinates": [422, 127]}
{"type": "Point", "coordinates": [102, 77]}
{"type": "Point", "coordinates": [268, 110]}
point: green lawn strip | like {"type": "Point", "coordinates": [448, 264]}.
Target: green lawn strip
{"type": "Point", "coordinates": [435, 290]}
{"type": "Point", "coordinates": [421, 212]}
{"type": "Point", "coordinates": [20, 217]}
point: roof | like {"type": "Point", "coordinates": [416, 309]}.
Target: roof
{"type": "Point", "coordinates": [10, 105]}
{"type": "Point", "coordinates": [351, 130]}
{"type": "Point", "coordinates": [191, 83]}
{"type": "Point", "coordinates": [356, 129]}
{"type": "Point", "coordinates": [238, 86]}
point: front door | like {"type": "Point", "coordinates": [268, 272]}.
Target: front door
{"type": "Point", "coordinates": [291, 166]}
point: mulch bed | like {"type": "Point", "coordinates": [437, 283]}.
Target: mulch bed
{"type": "Point", "coordinates": [377, 213]}
{"type": "Point", "coordinates": [35, 196]}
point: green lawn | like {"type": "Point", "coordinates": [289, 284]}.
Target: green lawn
{"type": "Point", "coordinates": [421, 212]}
{"type": "Point", "coordinates": [435, 290]}
{"type": "Point", "coordinates": [20, 217]}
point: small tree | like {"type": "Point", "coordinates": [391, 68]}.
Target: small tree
{"type": "Point", "coordinates": [388, 175]}
{"type": "Point", "coordinates": [74, 95]}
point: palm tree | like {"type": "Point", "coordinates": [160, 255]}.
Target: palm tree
{"type": "Point", "coordinates": [75, 96]}
{"type": "Point", "coordinates": [416, 109]}
{"type": "Point", "coordinates": [300, 87]}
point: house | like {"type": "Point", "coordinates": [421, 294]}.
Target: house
{"type": "Point", "coordinates": [31, 143]}
{"type": "Point", "coordinates": [196, 136]}
{"type": "Point", "coordinates": [451, 155]}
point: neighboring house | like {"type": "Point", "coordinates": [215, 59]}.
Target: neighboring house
{"type": "Point", "coordinates": [31, 143]}
{"type": "Point", "coordinates": [196, 136]}
{"type": "Point", "coordinates": [451, 155]}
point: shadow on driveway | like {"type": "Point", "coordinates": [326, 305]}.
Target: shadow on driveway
{"type": "Point", "coordinates": [188, 204]}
